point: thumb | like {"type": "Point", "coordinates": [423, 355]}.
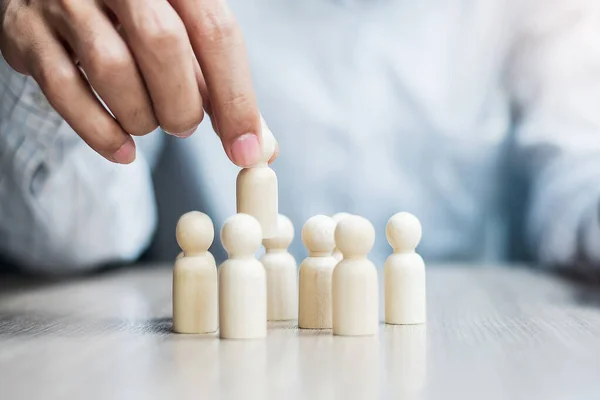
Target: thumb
{"type": "Point", "coordinates": [275, 154]}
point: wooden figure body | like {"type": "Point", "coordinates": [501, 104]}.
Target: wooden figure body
{"type": "Point", "coordinates": [281, 269]}
{"type": "Point", "coordinates": [337, 254]}
{"type": "Point", "coordinates": [314, 308]}
{"type": "Point", "coordinates": [355, 293]}
{"type": "Point", "coordinates": [195, 298]}
{"type": "Point", "coordinates": [404, 272]}
{"type": "Point", "coordinates": [257, 188]}
{"type": "Point", "coordinates": [242, 281]}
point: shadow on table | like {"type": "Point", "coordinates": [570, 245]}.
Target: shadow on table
{"type": "Point", "coordinates": [28, 324]}
{"type": "Point", "coordinates": [585, 282]}
{"type": "Point", "coordinates": [13, 279]}
{"type": "Point", "coordinates": [27, 321]}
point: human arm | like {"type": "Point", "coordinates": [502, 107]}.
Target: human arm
{"type": "Point", "coordinates": [64, 209]}
{"type": "Point", "coordinates": [555, 80]}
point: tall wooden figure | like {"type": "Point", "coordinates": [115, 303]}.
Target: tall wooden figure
{"type": "Point", "coordinates": [242, 281]}
{"type": "Point", "coordinates": [195, 299]}
{"type": "Point", "coordinates": [355, 293]}
{"type": "Point", "coordinates": [404, 272]}
{"type": "Point", "coordinates": [257, 188]}
{"type": "Point", "coordinates": [281, 268]}
{"type": "Point", "coordinates": [316, 272]}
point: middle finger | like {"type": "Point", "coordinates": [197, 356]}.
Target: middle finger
{"type": "Point", "coordinates": [160, 44]}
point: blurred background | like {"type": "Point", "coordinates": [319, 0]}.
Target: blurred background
{"type": "Point", "coordinates": [479, 117]}
{"type": "Point", "coordinates": [378, 107]}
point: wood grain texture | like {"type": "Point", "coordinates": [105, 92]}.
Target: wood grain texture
{"type": "Point", "coordinates": [493, 333]}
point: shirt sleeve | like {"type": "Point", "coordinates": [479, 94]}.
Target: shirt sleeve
{"type": "Point", "coordinates": [63, 208]}
{"type": "Point", "coordinates": [555, 80]}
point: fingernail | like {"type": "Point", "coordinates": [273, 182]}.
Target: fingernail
{"type": "Point", "coordinates": [183, 134]}
{"type": "Point", "coordinates": [245, 151]}
{"type": "Point", "coordinates": [126, 154]}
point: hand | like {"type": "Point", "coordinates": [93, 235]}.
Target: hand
{"type": "Point", "coordinates": [152, 63]}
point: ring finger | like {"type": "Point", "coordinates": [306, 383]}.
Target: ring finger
{"type": "Point", "coordinates": [108, 65]}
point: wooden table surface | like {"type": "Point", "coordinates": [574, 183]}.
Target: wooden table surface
{"type": "Point", "coordinates": [494, 332]}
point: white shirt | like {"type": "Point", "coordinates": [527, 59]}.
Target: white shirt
{"type": "Point", "coordinates": [480, 117]}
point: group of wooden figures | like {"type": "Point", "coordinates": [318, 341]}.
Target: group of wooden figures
{"type": "Point", "coordinates": [336, 287]}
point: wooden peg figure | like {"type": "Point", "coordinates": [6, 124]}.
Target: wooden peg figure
{"type": "Point", "coordinates": [355, 287]}
{"type": "Point", "coordinates": [242, 281]}
{"type": "Point", "coordinates": [281, 268]}
{"type": "Point", "coordinates": [195, 298]}
{"type": "Point", "coordinates": [337, 254]}
{"type": "Point", "coordinates": [257, 188]}
{"type": "Point", "coordinates": [404, 272]}
{"type": "Point", "coordinates": [314, 306]}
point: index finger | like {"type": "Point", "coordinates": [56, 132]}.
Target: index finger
{"type": "Point", "coordinates": [220, 49]}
